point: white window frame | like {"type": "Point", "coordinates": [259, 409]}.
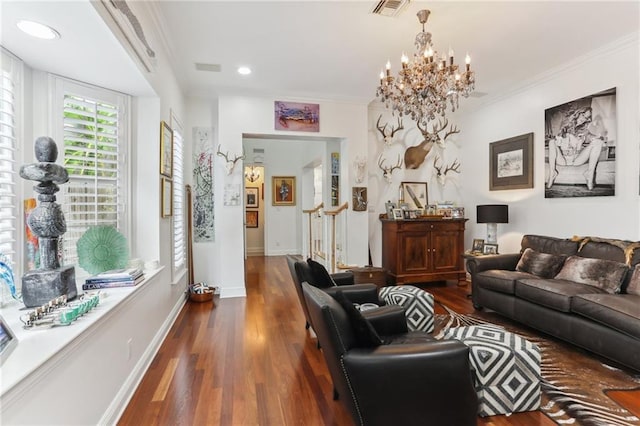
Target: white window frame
{"type": "Point", "coordinates": [179, 248]}
{"type": "Point", "coordinates": [14, 69]}
{"type": "Point", "coordinates": [60, 86]}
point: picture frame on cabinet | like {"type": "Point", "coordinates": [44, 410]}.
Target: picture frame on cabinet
{"type": "Point", "coordinates": [398, 214]}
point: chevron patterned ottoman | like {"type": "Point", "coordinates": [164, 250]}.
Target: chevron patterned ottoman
{"type": "Point", "coordinates": [418, 305]}
{"type": "Point", "coordinates": [506, 369]}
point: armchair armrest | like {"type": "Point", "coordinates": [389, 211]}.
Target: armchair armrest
{"type": "Point", "coordinates": [419, 382]}
{"type": "Point", "coordinates": [387, 320]}
{"type": "Point", "coordinates": [506, 261]}
{"type": "Point", "coordinates": [357, 293]}
{"type": "Point", "coordinates": [343, 278]}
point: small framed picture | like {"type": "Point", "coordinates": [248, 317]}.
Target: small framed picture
{"type": "Point", "coordinates": [478, 245]}
{"type": "Point", "coordinates": [166, 150]}
{"type": "Point", "coordinates": [251, 218]}
{"type": "Point", "coordinates": [251, 200]}
{"type": "Point", "coordinates": [389, 208]}
{"type": "Point", "coordinates": [166, 208]}
{"type": "Point", "coordinates": [490, 249]}
{"type": "Point", "coordinates": [457, 213]}
{"type": "Point", "coordinates": [398, 214]}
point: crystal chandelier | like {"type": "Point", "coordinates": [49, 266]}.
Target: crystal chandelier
{"type": "Point", "coordinates": [251, 174]}
{"type": "Point", "coordinates": [425, 86]}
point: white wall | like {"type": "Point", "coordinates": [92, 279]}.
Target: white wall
{"type": "Point", "coordinates": [522, 112]}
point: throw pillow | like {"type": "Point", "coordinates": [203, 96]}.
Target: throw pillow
{"type": "Point", "coordinates": [634, 282]}
{"type": "Point", "coordinates": [321, 277]}
{"type": "Point", "coordinates": [604, 274]}
{"type": "Point", "coordinates": [366, 336]}
{"type": "Point", "coordinates": [543, 265]}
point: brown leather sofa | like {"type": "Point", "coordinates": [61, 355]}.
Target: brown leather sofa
{"type": "Point", "coordinates": [601, 316]}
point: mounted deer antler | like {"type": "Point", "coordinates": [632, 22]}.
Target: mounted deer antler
{"type": "Point", "coordinates": [440, 175]}
{"type": "Point", "coordinates": [414, 156]}
{"type": "Point", "coordinates": [388, 139]}
{"type": "Point", "coordinates": [230, 164]}
{"type": "Point", "coordinates": [388, 170]}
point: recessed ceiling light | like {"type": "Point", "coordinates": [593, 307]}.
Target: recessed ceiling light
{"type": "Point", "coordinates": [244, 70]}
{"type": "Point", "coordinates": [36, 29]}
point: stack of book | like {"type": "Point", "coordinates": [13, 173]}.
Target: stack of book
{"type": "Point", "coordinates": [115, 278]}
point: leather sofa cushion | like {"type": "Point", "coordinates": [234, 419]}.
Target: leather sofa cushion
{"type": "Point", "coordinates": [319, 275]}
{"type": "Point", "coordinates": [618, 311]}
{"type": "Point", "coordinates": [604, 274]}
{"type": "Point", "coordinates": [543, 265]}
{"type": "Point", "coordinates": [555, 294]}
{"type": "Point", "coordinates": [634, 282]}
{"type": "Point", "coordinates": [409, 338]}
{"type": "Point", "coordinates": [550, 245]}
{"type": "Point", "coordinates": [500, 280]}
{"type": "Point", "coordinates": [365, 335]}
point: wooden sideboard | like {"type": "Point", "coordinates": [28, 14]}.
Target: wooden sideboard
{"type": "Point", "coordinates": [423, 250]}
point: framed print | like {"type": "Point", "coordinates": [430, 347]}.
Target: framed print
{"type": "Point", "coordinates": [166, 150]}
{"type": "Point", "coordinates": [389, 206]}
{"type": "Point", "coordinates": [284, 190]}
{"type": "Point", "coordinates": [478, 245]}
{"type": "Point", "coordinates": [251, 218]}
{"type": "Point", "coordinates": [251, 197]}
{"type": "Point", "coordinates": [8, 340]}
{"type": "Point", "coordinates": [398, 214]}
{"type": "Point", "coordinates": [167, 197]}
{"type": "Point", "coordinates": [415, 195]}
{"type": "Point", "coordinates": [359, 198]}
{"type": "Point", "coordinates": [294, 116]}
{"type": "Point", "coordinates": [580, 146]}
{"type": "Point", "coordinates": [490, 249]}
{"type": "Point", "coordinates": [511, 163]}
{"type": "Point", "coordinates": [457, 212]}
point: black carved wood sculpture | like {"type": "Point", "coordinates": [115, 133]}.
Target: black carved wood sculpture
{"type": "Point", "coordinates": [414, 155]}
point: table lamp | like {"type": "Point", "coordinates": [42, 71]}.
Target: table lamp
{"type": "Point", "coordinates": [492, 215]}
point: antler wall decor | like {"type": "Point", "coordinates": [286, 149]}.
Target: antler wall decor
{"type": "Point", "coordinates": [387, 171]}
{"type": "Point", "coordinates": [359, 168]}
{"type": "Point", "coordinates": [229, 164]}
{"type": "Point", "coordinates": [442, 176]}
{"type": "Point", "coordinates": [414, 155]}
{"type": "Point", "coordinates": [388, 138]}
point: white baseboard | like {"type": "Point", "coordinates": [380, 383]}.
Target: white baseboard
{"type": "Point", "coordinates": [124, 395]}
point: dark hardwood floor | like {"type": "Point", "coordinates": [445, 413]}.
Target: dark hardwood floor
{"type": "Point", "coordinates": [250, 361]}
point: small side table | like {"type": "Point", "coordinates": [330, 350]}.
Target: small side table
{"type": "Point", "coordinates": [370, 274]}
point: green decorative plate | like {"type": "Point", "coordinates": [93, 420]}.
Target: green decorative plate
{"type": "Point", "coordinates": [102, 248]}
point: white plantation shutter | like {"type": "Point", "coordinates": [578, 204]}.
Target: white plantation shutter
{"type": "Point", "coordinates": [9, 83]}
{"type": "Point", "coordinates": [179, 250]}
{"type": "Point", "coordinates": [95, 144]}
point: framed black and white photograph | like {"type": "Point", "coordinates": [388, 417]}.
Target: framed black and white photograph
{"type": "Point", "coordinates": [252, 197]}
{"type": "Point", "coordinates": [415, 195]}
{"type": "Point", "coordinates": [398, 214]}
{"type": "Point", "coordinates": [478, 245]}
{"type": "Point", "coordinates": [389, 206]}
{"type": "Point", "coordinates": [579, 143]}
{"type": "Point", "coordinates": [511, 163]}
{"type": "Point", "coordinates": [490, 249]}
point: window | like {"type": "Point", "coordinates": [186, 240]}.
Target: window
{"type": "Point", "coordinates": [10, 81]}
{"type": "Point", "coordinates": [178, 197]}
{"type": "Point", "coordinates": [94, 126]}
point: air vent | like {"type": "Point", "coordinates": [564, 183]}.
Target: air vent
{"type": "Point", "coordinates": [258, 155]}
{"type": "Point", "coordinates": [389, 8]}
{"type": "Point", "coordinates": [208, 67]}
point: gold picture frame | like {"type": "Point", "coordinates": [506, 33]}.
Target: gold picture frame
{"type": "Point", "coordinates": [166, 208]}
{"type": "Point", "coordinates": [166, 150]}
{"type": "Point", "coordinates": [415, 195]}
{"type": "Point", "coordinates": [283, 190]}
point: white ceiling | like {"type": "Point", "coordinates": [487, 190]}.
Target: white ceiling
{"type": "Point", "coordinates": [320, 49]}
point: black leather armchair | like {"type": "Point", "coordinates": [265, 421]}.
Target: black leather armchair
{"type": "Point", "coordinates": [413, 379]}
{"type": "Point", "coordinates": [357, 293]}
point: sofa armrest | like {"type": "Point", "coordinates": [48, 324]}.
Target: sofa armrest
{"type": "Point", "coordinates": [397, 384]}
{"type": "Point", "coordinates": [357, 293]}
{"type": "Point", "coordinates": [387, 320]}
{"type": "Point", "coordinates": [506, 261]}
{"type": "Point", "coordinates": [343, 278]}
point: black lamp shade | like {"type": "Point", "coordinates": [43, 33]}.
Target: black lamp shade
{"type": "Point", "coordinates": [492, 213]}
